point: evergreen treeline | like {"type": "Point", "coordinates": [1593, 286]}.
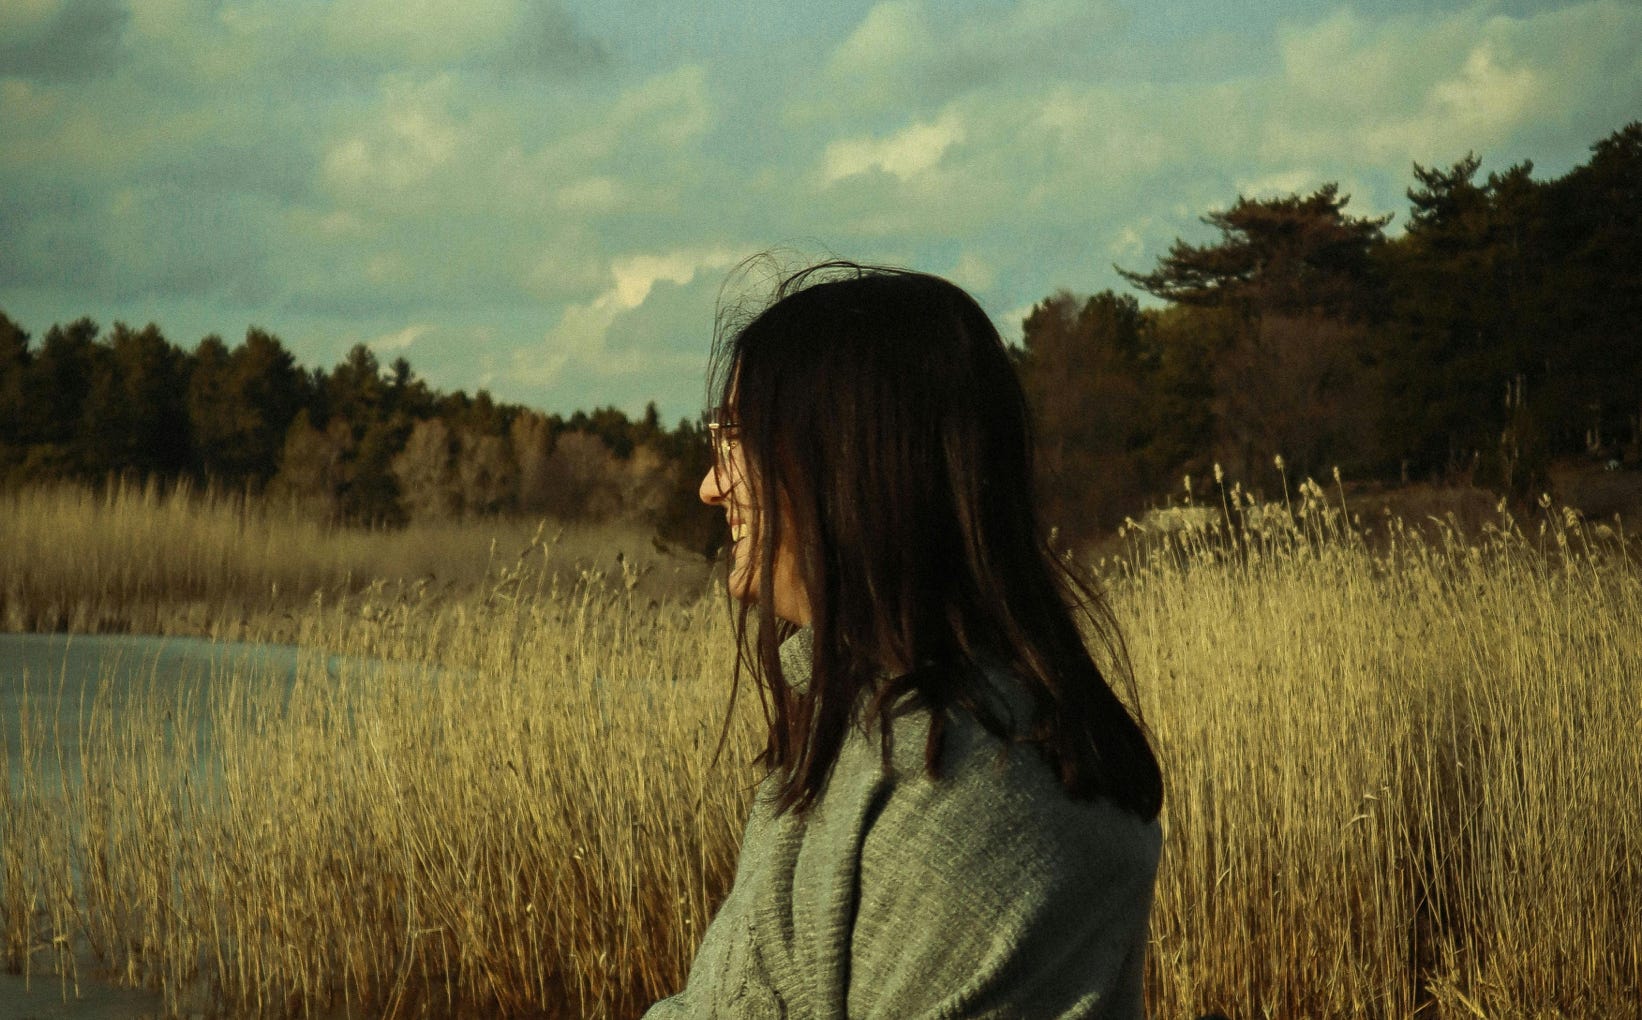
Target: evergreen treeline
{"type": "Point", "coordinates": [1501, 331]}
{"type": "Point", "coordinates": [357, 444]}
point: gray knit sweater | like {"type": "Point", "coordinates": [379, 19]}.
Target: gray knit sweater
{"type": "Point", "coordinates": [987, 893]}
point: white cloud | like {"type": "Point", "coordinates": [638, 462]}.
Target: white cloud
{"type": "Point", "coordinates": [582, 334]}
{"type": "Point", "coordinates": [1486, 94]}
{"type": "Point", "coordinates": [1010, 323]}
{"type": "Point", "coordinates": [1349, 64]}
{"type": "Point", "coordinates": [1282, 182]}
{"type": "Point", "coordinates": [1417, 87]}
{"type": "Point", "coordinates": [631, 152]}
{"type": "Point", "coordinates": [1128, 244]}
{"type": "Point", "coordinates": [905, 154]}
{"type": "Point", "coordinates": [340, 224]}
{"type": "Point", "coordinates": [387, 268]}
{"type": "Point", "coordinates": [892, 37]}
{"type": "Point", "coordinates": [410, 140]}
{"type": "Point", "coordinates": [400, 340]}
{"type": "Point", "coordinates": [591, 196]}
{"type": "Point", "coordinates": [422, 30]}
{"type": "Point", "coordinates": [671, 108]}
{"type": "Point", "coordinates": [567, 267]}
{"type": "Point", "coordinates": [907, 50]}
{"type": "Point", "coordinates": [1105, 129]}
{"type": "Point", "coordinates": [972, 272]}
{"type": "Point", "coordinates": [369, 165]}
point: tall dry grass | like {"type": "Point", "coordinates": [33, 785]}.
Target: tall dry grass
{"type": "Point", "coordinates": [1404, 780]}
{"type": "Point", "coordinates": [531, 825]}
{"type": "Point", "coordinates": [147, 558]}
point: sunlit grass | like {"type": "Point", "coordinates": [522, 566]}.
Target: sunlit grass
{"type": "Point", "coordinates": [1403, 779]}
{"type": "Point", "coordinates": [151, 559]}
{"type": "Point", "coordinates": [530, 826]}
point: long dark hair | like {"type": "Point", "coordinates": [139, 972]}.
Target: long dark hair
{"type": "Point", "coordinates": [883, 422]}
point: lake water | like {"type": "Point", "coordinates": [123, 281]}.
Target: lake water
{"type": "Point", "coordinates": [58, 679]}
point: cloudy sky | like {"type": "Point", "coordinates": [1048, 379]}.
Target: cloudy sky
{"type": "Point", "coordinates": [544, 197]}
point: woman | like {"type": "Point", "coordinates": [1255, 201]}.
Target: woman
{"type": "Point", "coordinates": [959, 818]}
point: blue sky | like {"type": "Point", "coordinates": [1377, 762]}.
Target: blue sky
{"type": "Point", "coordinates": [544, 198]}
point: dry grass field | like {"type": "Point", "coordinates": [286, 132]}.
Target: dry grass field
{"type": "Point", "coordinates": [1403, 779]}
{"type": "Point", "coordinates": [147, 560]}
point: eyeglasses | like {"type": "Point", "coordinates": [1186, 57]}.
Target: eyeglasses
{"type": "Point", "coordinates": [725, 434]}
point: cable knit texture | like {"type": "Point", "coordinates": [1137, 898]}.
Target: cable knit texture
{"type": "Point", "coordinates": [986, 893]}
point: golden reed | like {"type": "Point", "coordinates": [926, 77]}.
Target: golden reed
{"type": "Point", "coordinates": [1404, 776]}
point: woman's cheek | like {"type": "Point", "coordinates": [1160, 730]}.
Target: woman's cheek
{"type": "Point", "coordinates": [743, 574]}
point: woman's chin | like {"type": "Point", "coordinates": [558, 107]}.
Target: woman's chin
{"type": "Point", "coordinates": [742, 590]}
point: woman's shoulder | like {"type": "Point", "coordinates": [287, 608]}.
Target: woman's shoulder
{"type": "Point", "coordinates": [992, 797]}
{"type": "Point", "coordinates": [989, 888]}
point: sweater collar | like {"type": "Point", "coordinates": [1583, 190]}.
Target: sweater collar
{"type": "Point", "coordinates": [797, 654]}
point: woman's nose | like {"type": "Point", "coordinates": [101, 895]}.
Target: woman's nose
{"type": "Point", "coordinates": [711, 492]}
